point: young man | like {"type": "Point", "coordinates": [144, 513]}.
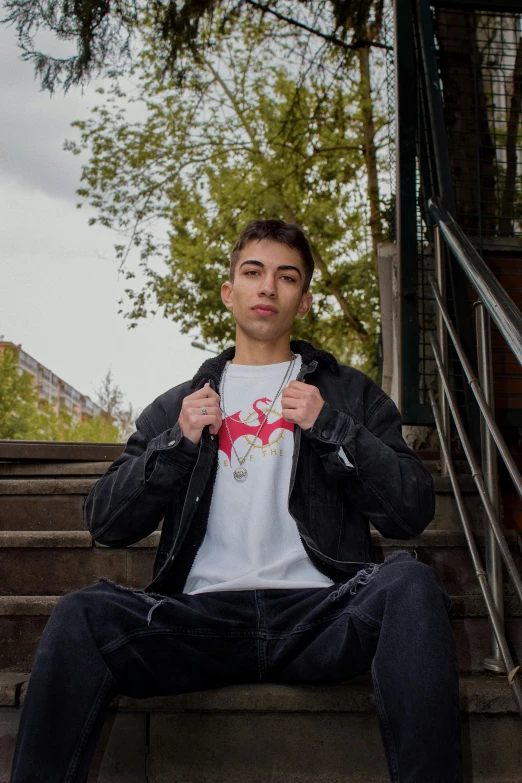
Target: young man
{"type": "Point", "coordinates": [266, 469]}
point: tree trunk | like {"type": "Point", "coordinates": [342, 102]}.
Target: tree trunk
{"type": "Point", "coordinates": [370, 153]}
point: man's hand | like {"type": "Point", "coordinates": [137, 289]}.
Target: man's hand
{"type": "Point", "coordinates": [192, 421]}
{"type": "Point", "coordinates": [301, 403]}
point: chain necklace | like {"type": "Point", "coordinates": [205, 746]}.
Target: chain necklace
{"type": "Point", "coordinates": [241, 473]}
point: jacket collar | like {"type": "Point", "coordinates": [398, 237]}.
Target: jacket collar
{"type": "Point", "coordinates": [211, 369]}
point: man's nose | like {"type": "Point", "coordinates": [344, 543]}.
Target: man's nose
{"type": "Point", "coordinates": [268, 286]}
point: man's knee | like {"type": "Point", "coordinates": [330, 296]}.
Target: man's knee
{"type": "Point", "coordinates": [416, 580]}
{"type": "Point", "coordinates": [69, 610]}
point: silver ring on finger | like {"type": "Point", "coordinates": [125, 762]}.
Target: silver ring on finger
{"type": "Point", "coordinates": [204, 411]}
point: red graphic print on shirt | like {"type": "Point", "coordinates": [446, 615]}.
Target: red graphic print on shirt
{"type": "Point", "coordinates": [238, 428]}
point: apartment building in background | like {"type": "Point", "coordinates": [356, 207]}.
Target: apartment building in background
{"type": "Point", "coordinates": [53, 388]}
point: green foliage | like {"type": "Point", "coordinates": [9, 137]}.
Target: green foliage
{"type": "Point", "coordinates": [98, 429]}
{"type": "Point", "coordinates": [242, 138]}
{"type": "Point", "coordinates": [105, 34]}
{"type": "Point", "coordinates": [110, 399]}
{"type": "Point", "coordinates": [24, 417]}
{"type": "Point", "coordinates": [19, 415]}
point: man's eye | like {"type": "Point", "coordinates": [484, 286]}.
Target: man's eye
{"type": "Point", "coordinates": [252, 272]}
{"type": "Point", "coordinates": [292, 280]}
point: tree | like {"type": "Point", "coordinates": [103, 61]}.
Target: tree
{"type": "Point", "coordinates": [24, 416]}
{"type": "Point", "coordinates": [104, 34]}
{"type": "Point", "coordinates": [318, 38]}
{"type": "Point", "coordinates": [241, 138]}
{"type": "Point", "coordinates": [110, 399]}
{"type": "Point", "coordinates": [107, 37]}
{"type": "Point", "coordinates": [98, 429]}
{"type": "Point", "coordinates": [20, 417]}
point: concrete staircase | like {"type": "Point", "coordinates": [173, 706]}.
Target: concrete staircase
{"type": "Point", "coordinates": [247, 733]}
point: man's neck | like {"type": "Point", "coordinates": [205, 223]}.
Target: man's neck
{"type": "Point", "coordinates": [262, 352]}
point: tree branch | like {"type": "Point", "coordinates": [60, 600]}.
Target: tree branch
{"type": "Point", "coordinates": [265, 8]}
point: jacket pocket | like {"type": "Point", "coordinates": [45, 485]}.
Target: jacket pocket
{"type": "Point", "coordinates": [324, 489]}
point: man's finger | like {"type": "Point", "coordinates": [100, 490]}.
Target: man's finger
{"type": "Point", "coordinates": [204, 401]}
{"type": "Point", "coordinates": [291, 391]}
{"type": "Point", "coordinates": [206, 391]}
{"type": "Point", "coordinates": [290, 402]}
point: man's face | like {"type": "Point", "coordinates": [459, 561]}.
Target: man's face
{"type": "Point", "coordinates": [267, 293]}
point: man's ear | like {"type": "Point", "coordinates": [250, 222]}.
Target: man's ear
{"type": "Point", "coordinates": [305, 305]}
{"type": "Point", "coordinates": [226, 294]}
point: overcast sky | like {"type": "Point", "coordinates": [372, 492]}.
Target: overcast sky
{"type": "Point", "coordinates": [59, 284]}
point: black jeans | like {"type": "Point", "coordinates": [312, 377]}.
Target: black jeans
{"type": "Point", "coordinates": [391, 618]}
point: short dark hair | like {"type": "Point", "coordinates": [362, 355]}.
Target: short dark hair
{"type": "Point", "coordinates": [277, 231]}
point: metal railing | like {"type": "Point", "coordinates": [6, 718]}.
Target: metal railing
{"type": "Point", "coordinates": [436, 176]}
{"type": "Point", "coordinates": [493, 303]}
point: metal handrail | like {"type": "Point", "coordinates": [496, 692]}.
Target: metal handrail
{"type": "Point", "coordinates": [477, 391]}
{"type": "Point", "coordinates": [498, 305]}
{"type": "Point", "coordinates": [496, 619]}
{"type": "Point", "coordinates": [477, 475]}
{"type": "Point", "coordinates": [497, 302]}
{"type": "Point", "coordinates": [496, 544]}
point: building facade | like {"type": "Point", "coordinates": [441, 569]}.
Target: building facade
{"type": "Point", "coordinates": [52, 388]}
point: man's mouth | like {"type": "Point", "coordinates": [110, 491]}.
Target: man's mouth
{"type": "Point", "coordinates": [265, 310]}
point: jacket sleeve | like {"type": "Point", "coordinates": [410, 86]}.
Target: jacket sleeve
{"type": "Point", "coordinates": [382, 477]}
{"type": "Point", "coordinates": [128, 502]}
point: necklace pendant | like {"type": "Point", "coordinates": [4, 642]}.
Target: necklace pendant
{"type": "Point", "coordinates": [240, 474]}
{"type": "Point", "coordinates": [241, 460]}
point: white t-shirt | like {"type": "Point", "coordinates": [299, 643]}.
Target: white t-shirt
{"type": "Point", "coordinates": [252, 541]}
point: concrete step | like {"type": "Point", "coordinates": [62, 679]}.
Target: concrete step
{"type": "Point", "coordinates": [55, 503]}
{"type": "Point", "coordinates": [446, 513]}
{"type": "Point", "coordinates": [23, 452]}
{"type": "Point", "coordinates": [54, 469]}
{"type": "Point", "coordinates": [43, 504]}
{"type": "Point", "coordinates": [23, 619]}
{"type": "Point", "coordinates": [45, 486]}
{"type": "Point", "coordinates": [35, 470]}
{"type": "Point", "coordinates": [320, 733]}
{"type": "Point", "coordinates": [432, 462]}
{"type": "Point", "coordinates": [56, 562]}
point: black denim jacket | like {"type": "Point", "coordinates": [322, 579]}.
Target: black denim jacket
{"type": "Point", "coordinates": [161, 475]}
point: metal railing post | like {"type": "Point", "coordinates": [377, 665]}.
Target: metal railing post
{"type": "Point", "coordinates": [443, 343]}
{"type": "Point", "coordinates": [476, 471]}
{"type": "Point", "coordinates": [481, 575]}
{"type": "Point", "coordinates": [490, 473]}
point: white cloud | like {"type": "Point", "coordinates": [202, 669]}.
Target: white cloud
{"type": "Point", "coordinates": [59, 285]}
